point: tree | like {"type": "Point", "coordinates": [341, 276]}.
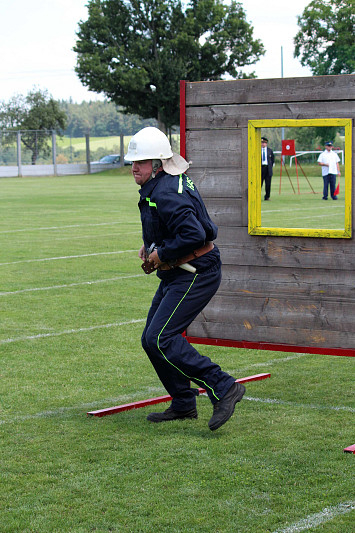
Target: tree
{"type": "Point", "coordinates": [309, 138]}
{"type": "Point", "coordinates": [136, 51]}
{"type": "Point", "coordinates": [325, 42]}
{"type": "Point", "coordinates": [36, 112]}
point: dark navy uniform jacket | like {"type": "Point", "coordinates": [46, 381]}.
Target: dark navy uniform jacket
{"type": "Point", "coordinates": [174, 216]}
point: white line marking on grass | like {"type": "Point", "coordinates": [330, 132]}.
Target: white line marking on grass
{"type": "Point", "coordinates": [302, 209]}
{"type": "Point", "coordinates": [69, 226]}
{"type": "Point", "coordinates": [128, 398]}
{"type": "Point", "coordinates": [71, 284]}
{"type": "Point", "coordinates": [315, 520]}
{"type": "Point", "coordinates": [66, 257]}
{"type": "Point", "coordinates": [70, 331]}
{"type": "Point", "coordinates": [304, 406]}
{"type": "Point", "coordinates": [280, 360]}
{"type": "Point", "coordinates": [270, 362]}
{"type": "Point", "coordinates": [41, 238]}
{"type": "Point", "coordinates": [329, 215]}
{"type": "Point", "coordinates": [98, 403]}
{"type": "Point", "coordinates": [93, 235]}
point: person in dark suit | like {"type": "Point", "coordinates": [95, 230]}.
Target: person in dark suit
{"type": "Point", "coordinates": [267, 163]}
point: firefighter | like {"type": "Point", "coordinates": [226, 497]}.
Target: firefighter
{"type": "Point", "coordinates": [178, 237]}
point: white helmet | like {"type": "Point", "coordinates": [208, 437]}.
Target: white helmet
{"type": "Point", "coordinates": [149, 143]}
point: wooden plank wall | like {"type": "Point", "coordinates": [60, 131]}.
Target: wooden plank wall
{"type": "Point", "coordinates": [282, 290]}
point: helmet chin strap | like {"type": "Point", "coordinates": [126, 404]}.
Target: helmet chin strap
{"type": "Point", "coordinates": [156, 163]}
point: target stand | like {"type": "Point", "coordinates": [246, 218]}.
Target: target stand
{"type": "Point", "coordinates": [288, 148]}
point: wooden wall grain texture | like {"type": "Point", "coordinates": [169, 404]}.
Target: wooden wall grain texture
{"type": "Point", "coordinates": [280, 290]}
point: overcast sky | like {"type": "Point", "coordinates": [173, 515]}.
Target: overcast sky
{"type": "Point", "coordinates": [37, 37]}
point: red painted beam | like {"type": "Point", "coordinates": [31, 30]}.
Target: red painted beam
{"type": "Point", "coordinates": [183, 118]}
{"type": "Point", "coordinates": [350, 449]}
{"type": "Point", "coordinates": [257, 377]}
{"type": "Point", "coordinates": [270, 346]}
{"type": "Point", "coordinates": [128, 406]}
{"type": "Point", "coordinates": [160, 399]}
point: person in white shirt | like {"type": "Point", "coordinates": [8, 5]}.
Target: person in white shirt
{"type": "Point", "coordinates": [329, 161]}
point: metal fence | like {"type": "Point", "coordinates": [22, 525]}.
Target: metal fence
{"type": "Point", "coordinates": [43, 153]}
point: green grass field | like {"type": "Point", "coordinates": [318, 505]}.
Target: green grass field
{"type": "Point", "coordinates": [299, 204]}
{"type": "Point", "coordinates": [79, 143]}
{"type": "Point", "coordinates": [73, 305]}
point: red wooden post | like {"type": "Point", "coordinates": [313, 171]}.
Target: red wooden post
{"type": "Point", "coordinates": [183, 118]}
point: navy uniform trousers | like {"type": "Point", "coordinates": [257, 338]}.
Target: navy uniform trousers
{"type": "Point", "coordinates": [329, 181]}
{"type": "Point", "coordinates": [175, 305]}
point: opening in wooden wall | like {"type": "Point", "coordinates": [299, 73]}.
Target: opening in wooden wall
{"type": "Point", "coordinates": [296, 206]}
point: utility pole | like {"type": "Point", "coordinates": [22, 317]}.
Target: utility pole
{"type": "Point", "coordinates": [282, 75]}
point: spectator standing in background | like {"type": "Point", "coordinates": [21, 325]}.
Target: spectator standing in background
{"type": "Point", "coordinates": [329, 161]}
{"type": "Point", "coordinates": [267, 163]}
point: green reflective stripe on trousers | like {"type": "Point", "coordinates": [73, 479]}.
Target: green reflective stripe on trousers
{"type": "Point", "coordinates": [151, 204]}
{"type": "Point", "coordinates": [166, 359]}
{"type": "Point", "coordinates": [180, 184]}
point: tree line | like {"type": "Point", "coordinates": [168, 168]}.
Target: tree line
{"type": "Point", "coordinates": [135, 53]}
{"type": "Point", "coordinates": [100, 119]}
{"type": "Point", "coordinates": [37, 114]}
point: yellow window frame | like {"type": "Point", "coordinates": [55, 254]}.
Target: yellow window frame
{"type": "Point", "coordinates": [254, 178]}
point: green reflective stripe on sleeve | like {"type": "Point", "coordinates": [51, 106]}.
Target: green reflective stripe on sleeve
{"type": "Point", "coordinates": [190, 183]}
{"type": "Point", "coordinates": [151, 204]}
{"type": "Point", "coordinates": [180, 184]}
{"type": "Point", "coordinates": [167, 360]}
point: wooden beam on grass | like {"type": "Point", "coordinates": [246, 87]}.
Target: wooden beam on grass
{"type": "Point", "coordinates": [350, 449]}
{"type": "Point", "coordinates": [160, 399]}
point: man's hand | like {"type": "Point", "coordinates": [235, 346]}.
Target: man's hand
{"type": "Point", "coordinates": [141, 253]}
{"type": "Point", "coordinates": [154, 258]}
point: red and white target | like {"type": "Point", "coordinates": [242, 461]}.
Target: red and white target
{"type": "Point", "coordinates": [288, 147]}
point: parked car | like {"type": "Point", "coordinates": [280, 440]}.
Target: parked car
{"type": "Point", "coordinates": [112, 159]}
